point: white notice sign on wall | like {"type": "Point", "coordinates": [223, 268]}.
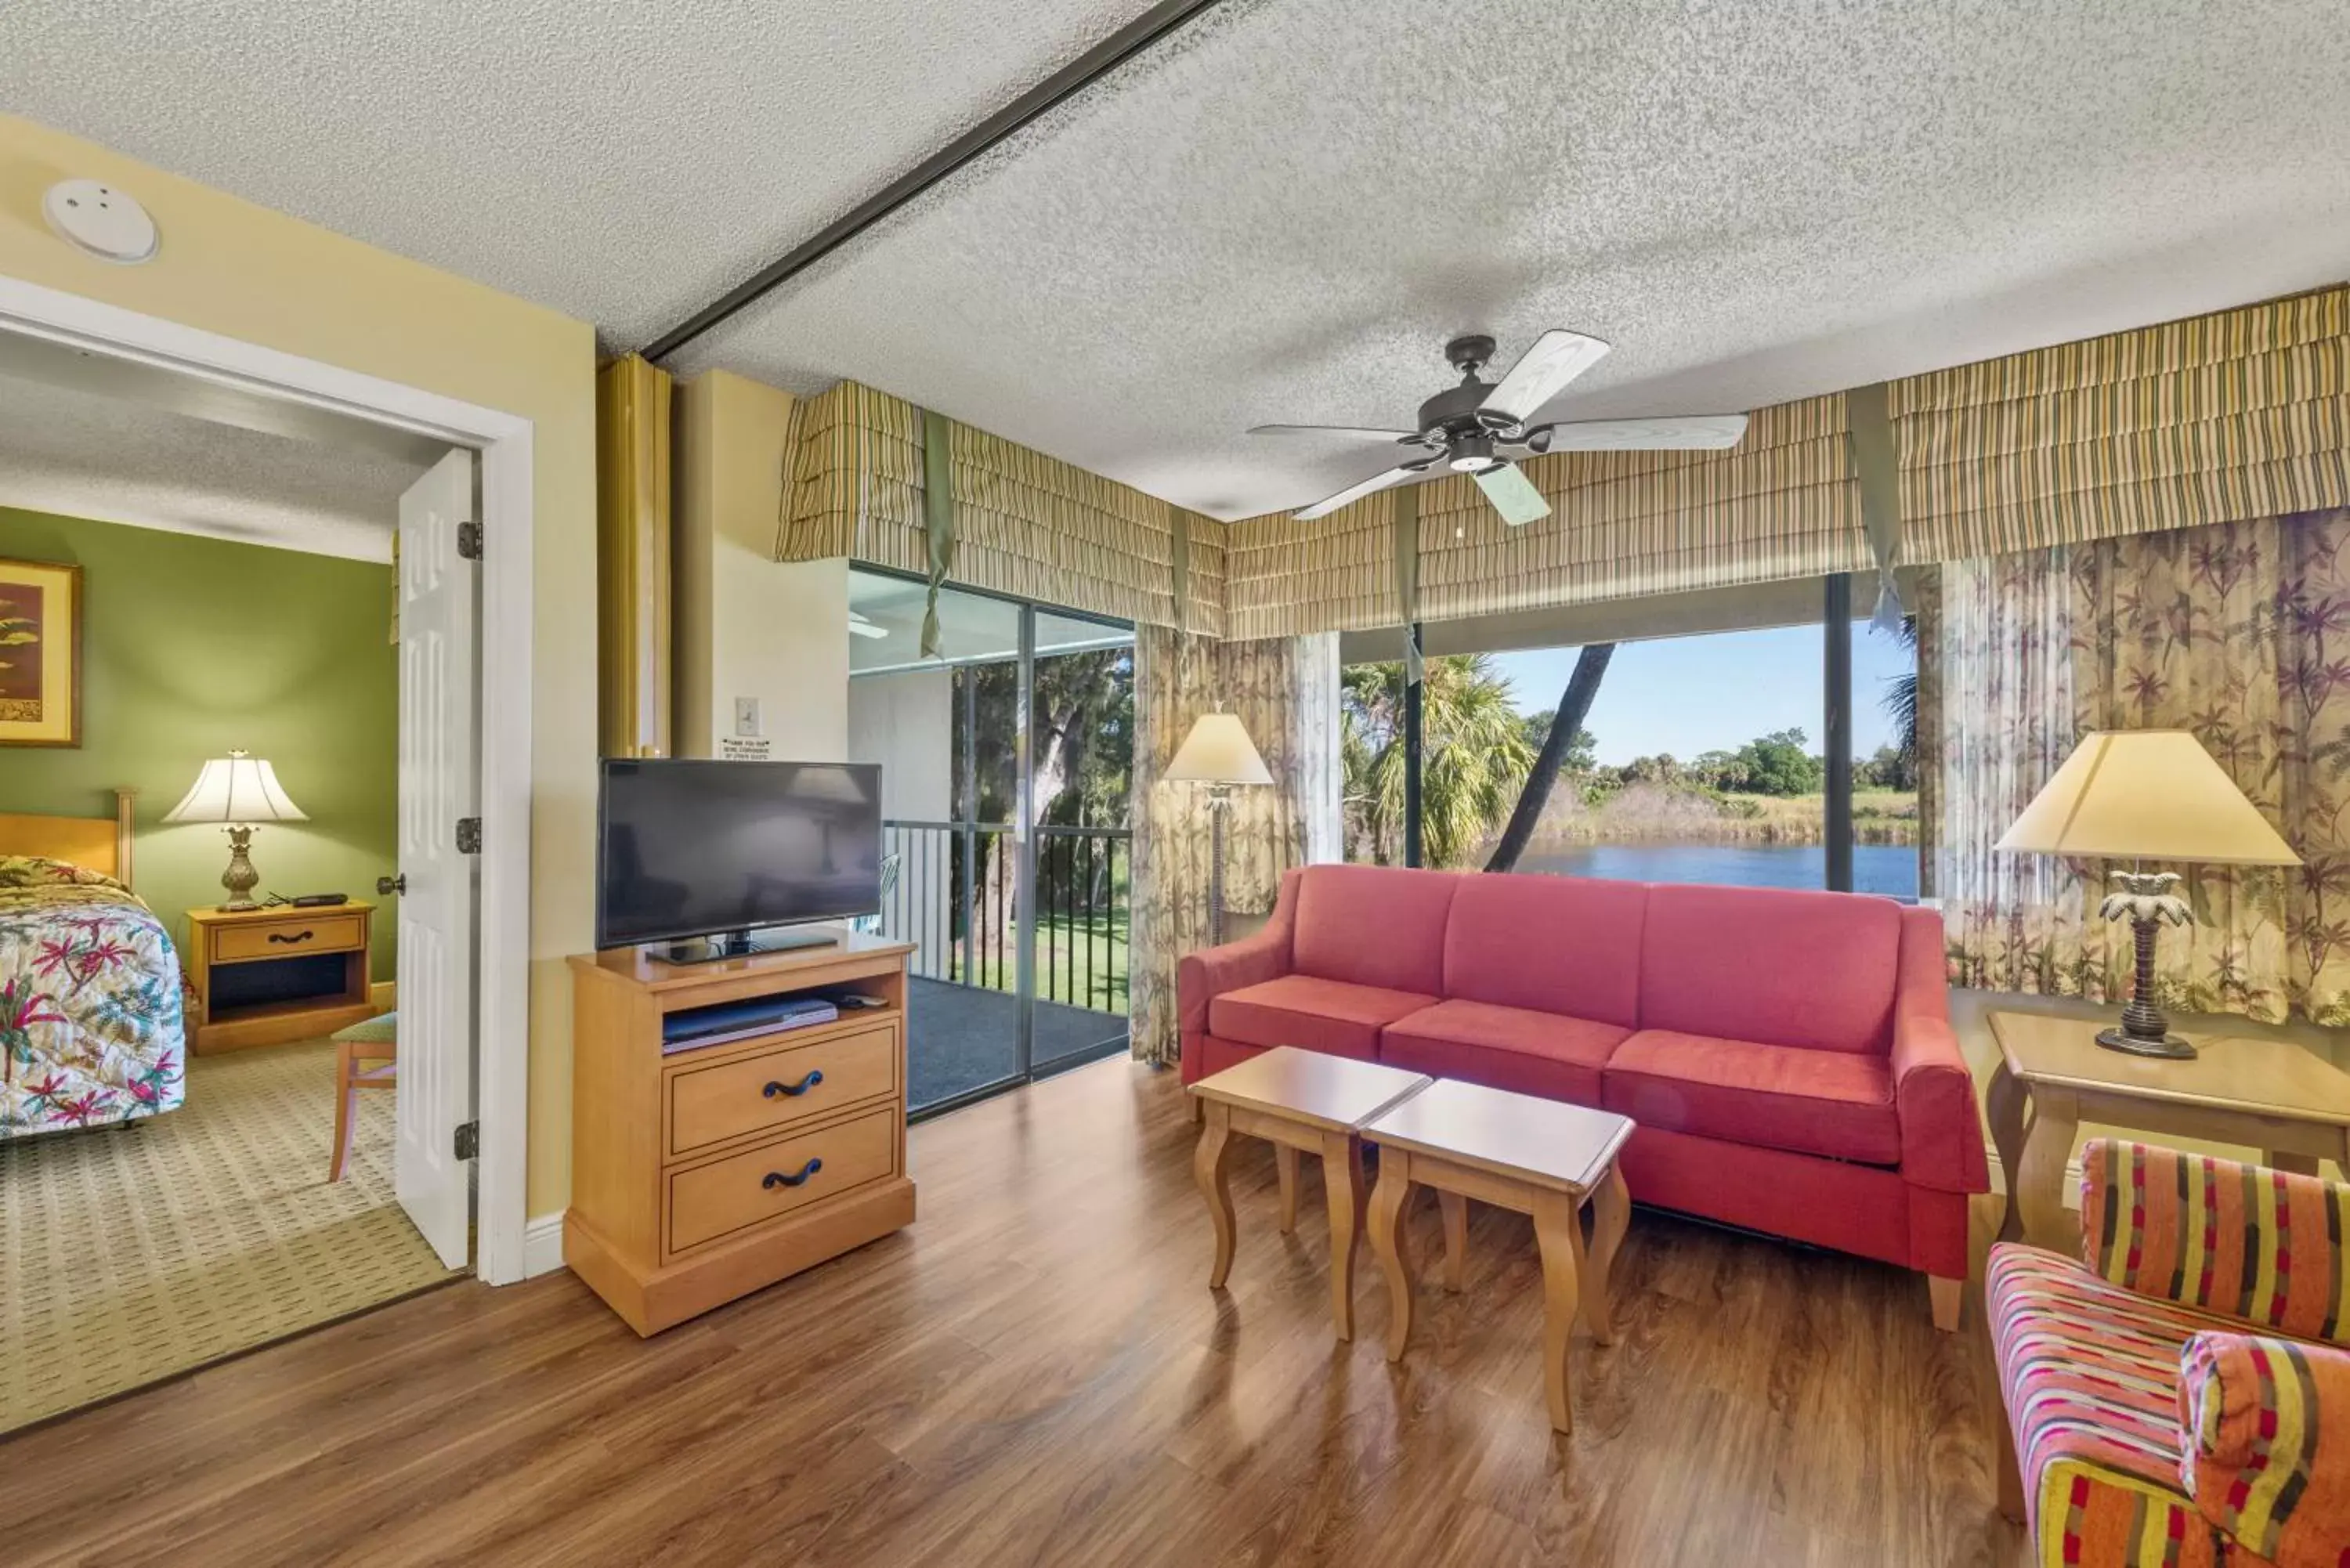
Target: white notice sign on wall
{"type": "Point", "coordinates": [736, 749]}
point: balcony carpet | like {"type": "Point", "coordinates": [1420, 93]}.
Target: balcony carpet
{"type": "Point", "coordinates": [128, 1255]}
{"type": "Point", "coordinates": [963, 1038]}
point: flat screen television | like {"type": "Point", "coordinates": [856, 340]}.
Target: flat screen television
{"type": "Point", "coordinates": [693, 848]}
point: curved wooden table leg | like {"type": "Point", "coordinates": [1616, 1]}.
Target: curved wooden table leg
{"type": "Point", "coordinates": [1388, 1201]}
{"type": "Point", "coordinates": [1456, 1238]}
{"type": "Point", "coordinates": [1559, 1231]}
{"type": "Point", "coordinates": [1611, 1216]}
{"type": "Point", "coordinates": [1211, 1168]}
{"type": "Point", "coordinates": [2004, 1105]}
{"type": "Point", "coordinates": [1284, 1165]}
{"type": "Point", "coordinates": [1342, 1185]}
{"type": "Point", "coordinates": [2039, 1182]}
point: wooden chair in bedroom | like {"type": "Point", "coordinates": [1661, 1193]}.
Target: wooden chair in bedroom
{"type": "Point", "coordinates": [366, 1057]}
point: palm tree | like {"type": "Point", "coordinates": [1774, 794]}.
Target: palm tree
{"type": "Point", "coordinates": [1900, 700]}
{"type": "Point", "coordinates": [1475, 757]}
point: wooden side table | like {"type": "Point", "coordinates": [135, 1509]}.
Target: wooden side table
{"type": "Point", "coordinates": [2053, 1076]}
{"type": "Point", "coordinates": [1297, 1101]}
{"type": "Point", "coordinates": [1541, 1157]}
{"type": "Point", "coordinates": [278, 974]}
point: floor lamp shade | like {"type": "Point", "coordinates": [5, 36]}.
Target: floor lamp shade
{"type": "Point", "coordinates": [2140, 796]}
{"type": "Point", "coordinates": [1219, 753]}
{"type": "Point", "coordinates": [237, 791]}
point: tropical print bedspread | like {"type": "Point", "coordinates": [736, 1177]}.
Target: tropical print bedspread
{"type": "Point", "coordinates": [89, 1002]}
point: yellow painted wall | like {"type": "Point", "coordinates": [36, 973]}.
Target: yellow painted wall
{"type": "Point", "coordinates": [748, 625]}
{"type": "Point", "coordinates": [234, 269]}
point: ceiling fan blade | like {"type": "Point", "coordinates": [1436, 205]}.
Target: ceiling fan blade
{"type": "Point", "coordinates": [1513, 495]}
{"type": "Point", "coordinates": [1541, 373]}
{"type": "Point", "coordinates": [1677, 432]}
{"type": "Point", "coordinates": [1354, 493]}
{"type": "Point", "coordinates": [1352, 432]}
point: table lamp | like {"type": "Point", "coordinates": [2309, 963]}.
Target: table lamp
{"type": "Point", "coordinates": [2140, 796]}
{"type": "Point", "coordinates": [1219, 753]}
{"type": "Point", "coordinates": [238, 790]}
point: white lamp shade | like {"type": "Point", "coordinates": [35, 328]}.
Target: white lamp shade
{"type": "Point", "coordinates": [2146, 795]}
{"type": "Point", "coordinates": [236, 788]}
{"type": "Point", "coordinates": [1219, 750]}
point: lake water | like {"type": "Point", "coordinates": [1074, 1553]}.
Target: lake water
{"type": "Point", "coordinates": [1875, 867]}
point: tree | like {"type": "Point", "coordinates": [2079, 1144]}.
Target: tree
{"type": "Point", "coordinates": [1573, 706]}
{"type": "Point", "coordinates": [1777, 764]}
{"type": "Point", "coordinates": [1900, 702]}
{"type": "Point", "coordinates": [1475, 755]}
{"type": "Point", "coordinates": [1582, 751]}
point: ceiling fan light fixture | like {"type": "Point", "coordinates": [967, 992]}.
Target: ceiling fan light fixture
{"type": "Point", "coordinates": [1472, 455]}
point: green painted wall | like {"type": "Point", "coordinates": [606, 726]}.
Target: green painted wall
{"type": "Point", "coordinates": [190, 646]}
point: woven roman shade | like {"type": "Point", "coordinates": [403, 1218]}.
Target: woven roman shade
{"type": "Point", "coordinates": [1025, 523]}
{"type": "Point", "coordinates": [2245, 413]}
{"type": "Point", "coordinates": [1283, 577]}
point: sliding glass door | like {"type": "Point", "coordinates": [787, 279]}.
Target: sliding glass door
{"type": "Point", "coordinates": [1005, 767]}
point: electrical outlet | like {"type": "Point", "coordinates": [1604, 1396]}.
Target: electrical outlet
{"type": "Point", "coordinates": [747, 718]}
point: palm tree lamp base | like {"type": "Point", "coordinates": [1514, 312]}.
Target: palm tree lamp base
{"type": "Point", "coordinates": [2147, 900]}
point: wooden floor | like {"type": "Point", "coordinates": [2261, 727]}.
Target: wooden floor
{"type": "Point", "coordinates": [1037, 1373]}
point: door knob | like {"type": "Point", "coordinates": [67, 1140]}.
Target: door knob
{"type": "Point", "coordinates": [385, 887]}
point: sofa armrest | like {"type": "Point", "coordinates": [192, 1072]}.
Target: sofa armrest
{"type": "Point", "coordinates": [1200, 977]}
{"type": "Point", "coordinates": [2264, 1444]}
{"type": "Point", "coordinates": [1933, 1092]}
{"type": "Point", "coordinates": [2241, 1241]}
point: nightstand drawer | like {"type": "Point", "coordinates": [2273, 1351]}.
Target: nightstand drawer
{"type": "Point", "coordinates": [776, 1089]}
{"type": "Point", "coordinates": [777, 1178]}
{"type": "Point", "coordinates": [323, 934]}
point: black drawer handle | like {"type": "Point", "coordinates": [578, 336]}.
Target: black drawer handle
{"type": "Point", "coordinates": [775, 1179]}
{"type": "Point", "coordinates": [297, 936]}
{"type": "Point", "coordinates": [816, 1076]}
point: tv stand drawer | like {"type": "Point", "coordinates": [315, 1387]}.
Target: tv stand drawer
{"type": "Point", "coordinates": [773, 1180]}
{"type": "Point", "coordinates": [778, 1087]}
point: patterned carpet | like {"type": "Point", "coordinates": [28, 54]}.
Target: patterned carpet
{"type": "Point", "coordinates": [128, 1256]}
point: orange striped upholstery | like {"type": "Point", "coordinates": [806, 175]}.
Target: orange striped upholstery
{"type": "Point", "coordinates": [2265, 1460]}
{"type": "Point", "coordinates": [2247, 1242]}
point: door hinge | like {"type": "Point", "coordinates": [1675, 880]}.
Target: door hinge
{"type": "Point", "coordinates": [469, 540]}
{"type": "Point", "coordinates": [469, 836]}
{"type": "Point", "coordinates": [469, 1140]}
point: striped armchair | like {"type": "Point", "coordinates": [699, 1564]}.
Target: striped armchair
{"type": "Point", "coordinates": [2176, 1398]}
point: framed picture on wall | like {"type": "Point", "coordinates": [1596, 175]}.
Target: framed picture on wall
{"type": "Point", "coordinates": [40, 654]}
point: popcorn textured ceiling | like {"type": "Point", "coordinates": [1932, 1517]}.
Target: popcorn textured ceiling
{"type": "Point", "coordinates": [1283, 212]}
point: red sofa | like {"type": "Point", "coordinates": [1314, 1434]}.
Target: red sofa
{"type": "Point", "coordinates": [1788, 1055]}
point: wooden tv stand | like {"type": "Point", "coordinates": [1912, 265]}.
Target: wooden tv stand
{"type": "Point", "coordinates": [704, 1175]}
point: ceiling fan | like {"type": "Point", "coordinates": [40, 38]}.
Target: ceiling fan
{"type": "Point", "coordinates": [1465, 428]}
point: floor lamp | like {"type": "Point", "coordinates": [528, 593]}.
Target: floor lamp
{"type": "Point", "coordinates": [2140, 796]}
{"type": "Point", "coordinates": [1219, 753]}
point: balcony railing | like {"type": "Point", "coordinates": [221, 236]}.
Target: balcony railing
{"type": "Point", "coordinates": [956, 900]}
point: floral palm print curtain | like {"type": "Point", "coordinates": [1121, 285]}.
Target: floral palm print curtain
{"type": "Point", "coordinates": [1286, 693]}
{"type": "Point", "coordinates": [2239, 631]}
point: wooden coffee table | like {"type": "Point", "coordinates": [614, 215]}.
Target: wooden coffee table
{"type": "Point", "coordinates": [2271, 1095]}
{"type": "Point", "coordinates": [1538, 1157]}
{"type": "Point", "coordinates": [1297, 1100]}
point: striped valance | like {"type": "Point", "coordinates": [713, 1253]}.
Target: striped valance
{"type": "Point", "coordinates": [1025, 523]}
{"type": "Point", "coordinates": [2245, 413]}
{"type": "Point", "coordinates": [1335, 574]}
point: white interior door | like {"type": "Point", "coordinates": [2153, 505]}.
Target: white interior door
{"type": "Point", "coordinates": [439, 785]}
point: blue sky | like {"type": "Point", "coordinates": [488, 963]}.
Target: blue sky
{"type": "Point", "coordinates": [1691, 694]}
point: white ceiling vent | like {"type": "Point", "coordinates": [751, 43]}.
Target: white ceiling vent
{"type": "Point", "coordinates": [101, 221]}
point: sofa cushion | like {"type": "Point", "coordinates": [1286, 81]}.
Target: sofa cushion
{"type": "Point", "coordinates": [1555, 944]}
{"type": "Point", "coordinates": [1312, 1013]}
{"type": "Point", "coordinates": [1831, 1103]}
{"type": "Point", "coordinates": [1774, 965]}
{"type": "Point", "coordinates": [1373, 925]}
{"type": "Point", "coordinates": [1544, 1054]}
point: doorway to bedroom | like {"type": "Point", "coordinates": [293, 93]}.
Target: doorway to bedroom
{"type": "Point", "coordinates": [230, 630]}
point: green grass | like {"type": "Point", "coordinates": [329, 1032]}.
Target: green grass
{"type": "Point", "coordinates": [1065, 970]}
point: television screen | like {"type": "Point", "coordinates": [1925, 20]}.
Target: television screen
{"type": "Point", "coordinates": [688, 847]}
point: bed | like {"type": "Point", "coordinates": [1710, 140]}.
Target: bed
{"type": "Point", "coordinates": [90, 1025]}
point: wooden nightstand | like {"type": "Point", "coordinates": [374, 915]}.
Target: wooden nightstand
{"type": "Point", "coordinates": [266, 976]}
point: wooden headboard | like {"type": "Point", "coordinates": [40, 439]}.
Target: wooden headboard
{"type": "Point", "coordinates": [94, 843]}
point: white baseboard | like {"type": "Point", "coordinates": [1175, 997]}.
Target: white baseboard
{"type": "Point", "coordinates": [1999, 1177]}
{"type": "Point", "coordinates": [542, 1245]}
